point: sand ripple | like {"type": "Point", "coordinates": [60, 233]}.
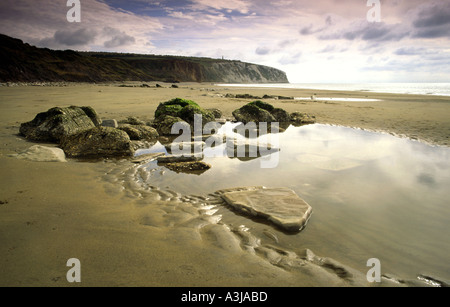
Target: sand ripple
{"type": "Point", "coordinates": [197, 219]}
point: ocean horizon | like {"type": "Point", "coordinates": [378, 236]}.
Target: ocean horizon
{"type": "Point", "coordinates": [435, 89]}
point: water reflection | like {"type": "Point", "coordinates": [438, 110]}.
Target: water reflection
{"type": "Point", "coordinates": [373, 195]}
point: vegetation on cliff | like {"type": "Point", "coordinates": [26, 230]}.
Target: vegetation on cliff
{"type": "Point", "coordinates": [21, 62]}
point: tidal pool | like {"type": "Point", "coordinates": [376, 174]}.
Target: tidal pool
{"type": "Point", "coordinates": [373, 195]}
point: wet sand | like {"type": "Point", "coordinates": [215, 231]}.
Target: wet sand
{"type": "Point", "coordinates": [124, 236]}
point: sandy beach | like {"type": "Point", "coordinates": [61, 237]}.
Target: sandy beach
{"type": "Point", "coordinates": [51, 212]}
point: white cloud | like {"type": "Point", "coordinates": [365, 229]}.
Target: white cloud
{"type": "Point", "coordinates": [44, 23]}
{"type": "Point", "coordinates": [240, 6]}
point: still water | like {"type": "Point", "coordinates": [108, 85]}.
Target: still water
{"type": "Point", "coordinates": [373, 195]}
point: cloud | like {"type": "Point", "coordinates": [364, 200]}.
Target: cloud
{"type": "Point", "coordinates": [290, 59]}
{"type": "Point", "coordinates": [240, 6]}
{"type": "Point", "coordinates": [44, 23]}
{"type": "Point", "coordinates": [262, 50]}
{"type": "Point", "coordinates": [434, 15]}
{"type": "Point", "coordinates": [72, 38]}
{"type": "Point", "coordinates": [432, 20]}
{"type": "Point", "coordinates": [367, 31]}
{"type": "Point", "coordinates": [309, 30]}
{"type": "Point", "coordinates": [410, 51]}
{"type": "Point", "coordinates": [118, 38]}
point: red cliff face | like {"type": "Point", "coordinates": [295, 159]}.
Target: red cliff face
{"type": "Point", "coordinates": [21, 62]}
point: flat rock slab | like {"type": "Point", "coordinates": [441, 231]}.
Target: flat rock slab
{"type": "Point", "coordinates": [178, 159]}
{"type": "Point", "coordinates": [281, 206]}
{"type": "Point", "coordinates": [40, 153]}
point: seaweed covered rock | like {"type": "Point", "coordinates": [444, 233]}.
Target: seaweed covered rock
{"type": "Point", "coordinates": [256, 111]}
{"type": "Point", "coordinates": [177, 110]}
{"type": "Point", "coordinates": [215, 112]}
{"type": "Point", "coordinates": [263, 112]}
{"type": "Point", "coordinates": [164, 123]}
{"type": "Point", "coordinates": [197, 167]}
{"type": "Point", "coordinates": [58, 123]}
{"type": "Point", "coordinates": [99, 142]}
{"type": "Point", "coordinates": [299, 119]}
{"type": "Point", "coordinates": [140, 132]}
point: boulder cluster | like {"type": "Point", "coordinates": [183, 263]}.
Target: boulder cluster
{"type": "Point", "coordinates": [81, 133]}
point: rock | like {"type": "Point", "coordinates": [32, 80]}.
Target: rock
{"type": "Point", "coordinates": [58, 123]}
{"type": "Point", "coordinates": [98, 142]}
{"type": "Point", "coordinates": [281, 115]}
{"type": "Point", "coordinates": [246, 96]}
{"type": "Point", "coordinates": [188, 167]}
{"type": "Point", "coordinates": [281, 206]}
{"type": "Point", "coordinates": [178, 159]}
{"type": "Point", "coordinates": [164, 123]}
{"type": "Point", "coordinates": [215, 112]}
{"type": "Point", "coordinates": [252, 113]}
{"type": "Point", "coordinates": [140, 132]}
{"type": "Point", "coordinates": [177, 110]}
{"type": "Point", "coordinates": [110, 123]}
{"type": "Point", "coordinates": [188, 114]}
{"type": "Point", "coordinates": [174, 86]}
{"type": "Point", "coordinates": [157, 85]}
{"type": "Point", "coordinates": [40, 153]}
{"type": "Point", "coordinates": [132, 121]}
{"type": "Point", "coordinates": [299, 119]}
{"type": "Point", "coordinates": [260, 112]}
{"type": "Point", "coordinates": [285, 98]}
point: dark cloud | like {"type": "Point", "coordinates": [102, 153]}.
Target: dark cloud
{"type": "Point", "coordinates": [410, 51]}
{"type": "Point", "coordinates": [367, 31]}
{"type": "Point", "coordinates": [78, 37]}
{"type": "Point", "coordinates": [433, 16]}
{"type": "Point", "coordinates": [68, 39]}
{"type": "Point", "coordinates": [262, 50]}
{"type": "Point", "coordinates": [432, 21]}
{"type": "Point", "coordinates": [118, 38]}
{"type": "Point", "coordinates": [309, 30]}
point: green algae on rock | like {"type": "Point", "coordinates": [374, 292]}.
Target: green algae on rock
{"type": "Point", "coordinates": [57, 123]}
{"type": "Point", "coordinates": [98, 142]}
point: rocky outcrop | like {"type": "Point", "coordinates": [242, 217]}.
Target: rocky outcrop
{"type": "Point", "coordinates": [299, 119]}
{"type": "Point", "coordinates": [140, 132]}
{"type": "Point", "coordinates": [99, 142]}
{"type": "Point", "coordinates": [252, 112]}
{"type": "Point", "coordinates": [58, 123]}
{"type": "Point", "coordinates": [179, 110]}
{"type": "Point", "coordinates": [164, 123]}
{"type": "Point", "coordinates": [263, 112]}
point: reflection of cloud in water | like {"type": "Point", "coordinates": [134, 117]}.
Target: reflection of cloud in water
{"type": "Point", "coordinates": [390, 186]}
{"type": "Point", "coordinates": [327, 163]}
{"type": "Point", "coordinates": [426, 179]}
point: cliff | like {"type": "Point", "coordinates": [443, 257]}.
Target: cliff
{"type": "Point", "coordinates": [21, 62]}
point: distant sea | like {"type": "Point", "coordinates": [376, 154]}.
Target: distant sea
{"type": "Point", "coordinates": [439, 89]}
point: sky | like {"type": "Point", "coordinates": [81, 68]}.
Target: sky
{"type": "Point", "coordinates": [321, 41]}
